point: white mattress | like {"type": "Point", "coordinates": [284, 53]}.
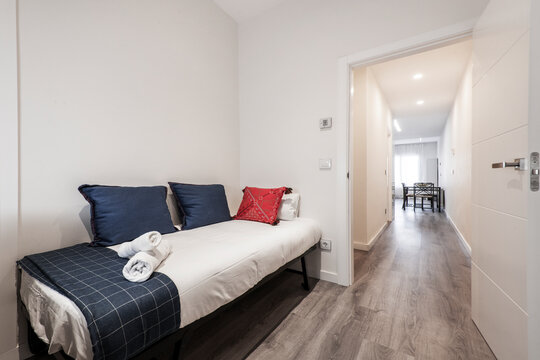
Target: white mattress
{"type": "Point", "coordinates": [210, 267]}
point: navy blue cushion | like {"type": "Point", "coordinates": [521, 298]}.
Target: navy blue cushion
{"type": "Point", "coordinates": [201, 205]}
{"type": "Point", "coordinates": [121, 213]}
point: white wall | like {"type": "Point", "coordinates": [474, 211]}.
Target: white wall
{"type": "Point", "coordinates": [121, 92]}
{"type": "Point", "coordinates": [378, 138]}
{"type": "Point", "coordinates": [9, 193]}
{"type": "Point", "coordinates": [288, 81]}
{"type": "Point", "coordinates": [371, 120]}
{"type": "Point", "coordinates": [455, 159]}
{"type": "Point", "coordinates": [131, 92]}
{"type": "Point", "coordinates": [359, 171]}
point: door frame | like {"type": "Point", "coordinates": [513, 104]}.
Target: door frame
{"type": "Point", "coordinates": [427, 41]}
{"type": "Point", "coordinates": [533, 245]}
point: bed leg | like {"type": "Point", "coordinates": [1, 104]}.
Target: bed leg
{"type": "Point", "coordinates": [181, 344]}
{"type": "Point", "coordinates": [305, 284]}
{"type": "Point", "coordinates": [35, 344]}
{"type": "Point", "coordinates": [177, 349]}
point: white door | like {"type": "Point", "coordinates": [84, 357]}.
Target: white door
{"type": "Point", "coordinates": [501, 126]}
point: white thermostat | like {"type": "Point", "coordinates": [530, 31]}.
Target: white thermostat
{"type": "Point", "coordinates": [325, 164]}
{"type": "Point", "coordinates": [325, 123]}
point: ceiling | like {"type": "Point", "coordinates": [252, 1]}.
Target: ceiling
{"type": "Point", "coordinates": [442, 71]}
{"type": "Point", "coordinates": [241, 10]}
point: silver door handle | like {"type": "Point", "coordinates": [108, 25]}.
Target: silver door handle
{"type": "Point", "coordinates": [517, 164]}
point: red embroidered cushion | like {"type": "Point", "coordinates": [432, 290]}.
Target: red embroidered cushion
{"type": "Point", "coordinates": [260, 205]}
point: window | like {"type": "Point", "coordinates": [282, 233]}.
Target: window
{"type": "Point", "coordinates": [411, 164]}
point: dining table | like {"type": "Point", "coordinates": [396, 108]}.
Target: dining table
{"type": "Point", "coordinates": [410, 189]}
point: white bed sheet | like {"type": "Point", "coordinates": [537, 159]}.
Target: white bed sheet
{"type": "Point", "coordinates": [210, 267]}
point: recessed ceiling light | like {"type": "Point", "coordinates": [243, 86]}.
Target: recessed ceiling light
{"type": "Point", "coordinates": [418, 76]}
{"type": "Point", "coordinates": [420, 102]}
{"type": "Point", "coordinates": [396, 126]}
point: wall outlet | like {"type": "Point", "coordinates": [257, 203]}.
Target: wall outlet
{"type": "Point", "coordinates": [326, 244]}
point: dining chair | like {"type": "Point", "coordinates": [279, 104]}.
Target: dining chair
{"type": "Point", "coordinates": [424, 191]}
{"type": "Point", "coordinates": [406, 196]}
{"type": "Point", "coordinates": [434, 191]}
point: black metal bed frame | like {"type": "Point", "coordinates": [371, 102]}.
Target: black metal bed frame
{"type": "Point", "coordinates": [173, 346]}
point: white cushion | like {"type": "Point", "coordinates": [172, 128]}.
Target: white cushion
{"type": "Point", "coordinates": [288, 209]}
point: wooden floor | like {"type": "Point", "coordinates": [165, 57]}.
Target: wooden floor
{"type": "Point", "coordinates": [410, 300]}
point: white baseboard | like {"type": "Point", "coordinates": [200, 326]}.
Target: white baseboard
{"type": "Point", "coordinates": [372, 241]}
{"type": "Point", "coordinates": [328, 276]}
{"type": "Point", "coordinates": [12, 354]}
{"type": "Point", "coordinates": [316, 273]}
{"type": "Point", "coordinates": [459, 234]}
{"type": "Point", "coordinates": [360, 246]}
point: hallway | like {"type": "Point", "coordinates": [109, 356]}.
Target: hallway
{"type": "Point", "coordinates": [410, 300]}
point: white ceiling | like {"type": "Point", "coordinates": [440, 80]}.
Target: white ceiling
{"type": "Point", "coordinates": [241, 10]}
{"type": "Point", "coordinates": [443, 70]}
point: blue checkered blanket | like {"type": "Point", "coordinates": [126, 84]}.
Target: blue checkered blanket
{"type": "Point", "coordinates": [123, 317]}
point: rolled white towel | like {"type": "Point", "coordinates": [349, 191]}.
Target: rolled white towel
{"type": "Point", "coordinates": [145, 242]}
{"type": "Point", "coordinates": [142, 264]}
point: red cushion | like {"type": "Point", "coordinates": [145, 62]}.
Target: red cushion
{"type": "Point", "coordinates": [260, 205]}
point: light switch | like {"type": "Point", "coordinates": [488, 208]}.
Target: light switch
{"type": "Point", "coordinates": [325, 164]}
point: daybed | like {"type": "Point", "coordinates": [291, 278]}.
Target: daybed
{"type": "Point", "coordinates": [210, 266]}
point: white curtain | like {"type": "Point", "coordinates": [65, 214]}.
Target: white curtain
{"type": "Point", "coordinates": [411, 164]}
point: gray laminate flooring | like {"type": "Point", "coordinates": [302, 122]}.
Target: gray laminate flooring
{"type": "Point", "coordinates": [410, 300]}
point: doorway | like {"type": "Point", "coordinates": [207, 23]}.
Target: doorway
{"type": "Point", "coordinates": [410, 140]}
{"type": "Point", "coordinates": [505, 124]}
